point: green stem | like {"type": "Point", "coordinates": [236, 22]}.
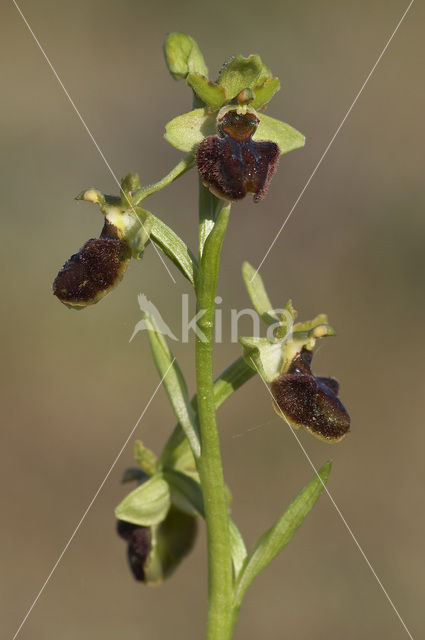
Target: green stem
{"type": "Point", "coordinates": [184, 165]}
{"type": "Point", "coordinates": [220, 576]}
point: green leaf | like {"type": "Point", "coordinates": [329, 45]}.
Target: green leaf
{"type": "Point", "coordinates": [174, 383]}
{"type": "Point", "coordinates": [145, 458]}
{"type": "Point", "coordinates": [271, 543]}
{"type": "Point", "coordinates": [242, 73]}
{"type": "Point", "coordinates": [187, 131]}
{"type": "Point", "coordinates": [285, 136]}
{"type": "Point", "coordinates": [258, 294]}
{"type": "Point", "coordinates": [147, 505]}
{"type": "Point", "coordinates": [174, 248]}
{"type": "Point", "coordinates": [186, 492]}
{"type": "Point", "coordinates": [183, 56]}
{"type": "Point", "coordinates": [264, 356]}
{"type": "Point", "coordinates": [238, 548]}
{"type": "Point", "coordinates": [265, 92]}
{"type": "Point", "coordinates": [210, 93]}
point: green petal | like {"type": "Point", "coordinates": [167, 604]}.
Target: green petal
{"type": "Point", "coordinates": [187, 131]}
{"type": "Point", "coordinates": [210, 93]}
{"type": "Point", "coordinates": [265, 92]}
{"type": "Point", "coordinates": [146, 505]}
{"type": "Point", "coordinates": [145, 458]}
{"type": "Point", "coordinates": [242, 73]}
{"type": "Point", "coordinates": [285, 136]}
{"type": "Point", "coordinates": [183, 56]}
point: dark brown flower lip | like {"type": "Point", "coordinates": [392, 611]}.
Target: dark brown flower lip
{"type": "Point", "coordinates": [93, 271]}
{"type": "Point", "coordinates": [309, 401]}
{"type": "Point", "coordinates": [139, 546]}
{"type": "Point", "coordinates": [232, 164]}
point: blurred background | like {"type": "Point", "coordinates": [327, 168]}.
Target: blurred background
{"type": "Point", "coordinates": [72, 384]}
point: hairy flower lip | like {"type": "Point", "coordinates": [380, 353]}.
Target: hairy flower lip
{"type": "Point", "coordinates": [139, 546]}
{"type": "Point", "coordinates": [309, 401]}
{"type": "Point", "coordinates": [92, 272]}
{"type": "Point", "coordinates": [231, 163]}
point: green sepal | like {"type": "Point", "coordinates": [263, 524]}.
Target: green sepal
{"type": "Point", "coordinates": [258, 294]}
{"type": "Point", "coordinates": [286, 137]}
{"type": "Point", "coordinates": [146, 505]}
{"type": "Point", "coordinates": [271, 543]}
{"type": "Point", "coordinates": [171, 541]}
{"type": "Point", "coordinates": [145, 458]}
{"type": "Point", "coordinates": [186, 493]}
{"type": "Point", "coordinates": [212, 94]}
{"type": "Point", "coordinates": [187, 131]}
{"type": "Point", "coordinates": [174, 383]}
{"type": "Point", "coordinates": [133, 224]}
{"type": "Point", "coordinates": [242, 73]}
{"type": "Point", "coordinates": [263, 356]}
{"type": "Point", "coordinates": [137, 230]}
{"type": "Point", "coordinates": [183, 56]}
{"type": "Point", "coordinates": [265, 92]}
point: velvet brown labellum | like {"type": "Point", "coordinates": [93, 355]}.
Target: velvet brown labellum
{"type": "Point", "coordinates": [232, 164]}
{"type": "Point", "coordinates": [92, 272]}
{"type": "Point", "coordinates": [310, 402]}
{"type": "Point", "coordinates": [139, 546]}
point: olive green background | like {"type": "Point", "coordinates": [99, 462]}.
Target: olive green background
{"type": "Point", "coordinates": [72, 384]}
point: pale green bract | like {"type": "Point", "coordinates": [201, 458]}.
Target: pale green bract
{"type": "Point", "coordinates": [187, 131]}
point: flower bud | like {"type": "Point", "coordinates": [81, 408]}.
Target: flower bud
{"type": "Point", "coordinates": [231, 163]}
{"type": "Point", "coordinates": [155, 552]}
{"type": "Point", "coordinates": [310, 402]}
{"type": "Point", "coordinates": [183, 56]}
{"type": "Point", "coordinates": [139, 546]}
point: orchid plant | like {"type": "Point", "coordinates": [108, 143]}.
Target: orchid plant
{"type": "Point", "coordinates": [235, 148]}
